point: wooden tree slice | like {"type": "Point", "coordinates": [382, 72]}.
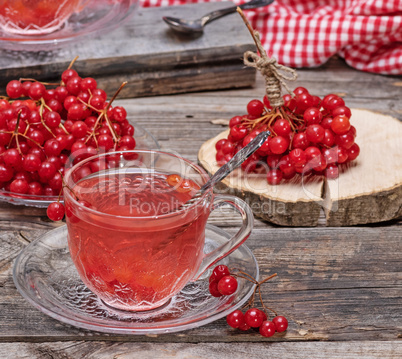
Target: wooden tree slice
{"type": "Point", "coordinates": [368, 191]}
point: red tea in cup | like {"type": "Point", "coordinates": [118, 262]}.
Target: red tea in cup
{"type": "Point", "coordinates": [129, 239]}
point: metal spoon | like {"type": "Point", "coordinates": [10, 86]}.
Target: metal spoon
{"type": "Point", "coordinates": [197, 26]}
{"type": "Point", "coordinates": [227, 168]}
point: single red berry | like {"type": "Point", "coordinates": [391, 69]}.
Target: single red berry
{"type": "Point", "coordinates": [287, 167]}
{"type": "Point", "coordinates": [312, 116]}
{"type": "Point", "coordinates": [213, 289]}
{"type": "Point", "coordinates": [342, 111]}
{"type": "Point", "coordinates": [14, 89]}
{"type": "Point", "coordinates": [73, 85]}
{"type": "Point", "coordinates": [299, 90]}
{"type": "Point", "coordinates": [326, 122]}
{"type": "Point", "coordinates": [281, 323]}
{"type": "Point", "coordinates": [267, 103]}
{"type": "Point", "coordinates": [88, 83]}
{"type": "Point", "coordinates": [52, 119]}
{"type": "Point", "coordinates": [255, 108]}
{"type": "Point", "coordinates": [303, 102]}
{"type": "Point", "coordinates": [235, 319]}
{"type": "Point", "coordinates": [332, 171]}
{"type": "Point", "coordinates": [19, 186]}
{"type": "Point", "coordinates": [36, 90]}
{"type": "Point", "coordinates": [334, 102]}
{"type": "Point", "coordinates": [282, 127]}
{"type": "Point", "coordinates": [237, 120]}
{"type": "Point", "coordinates": [340, 125]}
{"type": "Point", "coordinates": [346, 140]}
{"type": "Point", "coordinates": [31, 162]}
{"type": "Point", "coordinates": [274, 177]}
{"type": "Point", "coordinates": [119, 114]}
{"type": "Point", "coordinates": [254, 317]}
{"type": "Point", "coordinates": [220, 143]}
{"type": "Point", "coordinates": [12, 157]}
{"type": "Point", "coordinates": [300, 141]}
{"type": "Point", "coordinates": [228, 148]}
{"type": "Point", "coordinates": [315, 133]}
{"type": "Point", "coordinates": [353, 152]}
{"type": "Point", "coordinates": [297, 156]}
{"type": "Point", "coordinates": [227, 285]}
{"type": "Point", "coordinates": [55, 211]}
{"type": "Point", "coordinates": [219, 272]}
{"type": "Point", "coordinates": [6, 173]}
{"type": "Point", "coordinates": [238, 132]}
{"type": "Point", "coordinates": [278, 144]}
{"type": "Point", "coordinates": [68, 74]}
{"type": "Point", "coordinates": [267, 329]}
{"type": "Point", "coordinates": [329, 138]}
{"type": "Point", "coordinates": [243, 326]}
{"type": "Point", "coordinates": [79, 129]}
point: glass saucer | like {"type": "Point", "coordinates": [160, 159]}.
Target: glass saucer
{"type": "Point", "coordinates": [144, 141]}
{"type": "Point", "coordinates": [97, 16]}
{"type": "Point", "coordinates": [45, 275]}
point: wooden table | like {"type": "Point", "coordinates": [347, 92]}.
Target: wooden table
{"type": "Point", "coordinates": [339, 287]}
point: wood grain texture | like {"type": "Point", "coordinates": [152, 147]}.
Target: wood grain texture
{"type": "Point", "coordinates": [115, 350]}
{"type": "Point", "coordinates": [340, 287]}
{"type": "Point", "coordinates": [336, 284]}
{"type": "Point", "coordinates": [151, 57]}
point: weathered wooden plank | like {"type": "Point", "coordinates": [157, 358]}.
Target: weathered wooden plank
{"type": "Point", "coordinates": [100, 350]}
{"type": "Point", "coordinates": [333, 284]}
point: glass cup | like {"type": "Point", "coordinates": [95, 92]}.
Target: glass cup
{"type": "Point", "coordinates": [131, 242]}
{"type": "Point", "coordinates": [36, 17]}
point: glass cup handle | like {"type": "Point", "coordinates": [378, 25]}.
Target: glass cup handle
{"type": "Point", "coordinates": [237, 240]}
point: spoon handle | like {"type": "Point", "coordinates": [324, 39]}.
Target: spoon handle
{"type": "Point", "coordinates": [229, 10]}
{"type": "Point", "coordinates": [236, 161]}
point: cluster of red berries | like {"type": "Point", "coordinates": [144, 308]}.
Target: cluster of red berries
{"type": "Point", "coordinates": [43, 127]}
{"type": "Point", "coordinates": [309, 135]}
{"type": "Point", "coordinates": [256, 318]}
{"type": "Point", "coordinates": [223, 282]}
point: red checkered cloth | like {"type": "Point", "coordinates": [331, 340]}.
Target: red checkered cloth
{"type": "Point", "coordinates": [306, 33]}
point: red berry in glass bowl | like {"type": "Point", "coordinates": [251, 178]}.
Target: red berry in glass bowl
{"type": "Point", "coordinates": [227, 285]}
{"type": "Point", "coordinates": [213, 289]}
{"type": "Point", "coordinates": [219, 272]}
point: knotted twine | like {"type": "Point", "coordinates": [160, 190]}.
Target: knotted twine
{"type": "Point", "coordinates": [274, 73]}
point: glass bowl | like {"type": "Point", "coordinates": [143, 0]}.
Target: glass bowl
{"type": "Point", "coordinates": [93, 16]}
{"type": "Point", "coordinates": [144, 141]}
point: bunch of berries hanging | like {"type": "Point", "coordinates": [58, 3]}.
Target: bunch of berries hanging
{"type": "Point", "coordinates": [309, 134]}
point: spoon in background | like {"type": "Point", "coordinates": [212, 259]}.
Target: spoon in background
{"type": "Point", "coordinates": [227, 168]}
{"type": "Point", "coordinates": [197, 26]}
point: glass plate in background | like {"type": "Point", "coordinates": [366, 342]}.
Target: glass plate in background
{"type": "Point", "coordinates": [97, 16]}
{"type": "Point", "coordinates": [144, 141]}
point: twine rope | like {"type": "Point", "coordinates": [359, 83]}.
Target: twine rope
{"type": "Point", "coordinates": [275, 74]}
